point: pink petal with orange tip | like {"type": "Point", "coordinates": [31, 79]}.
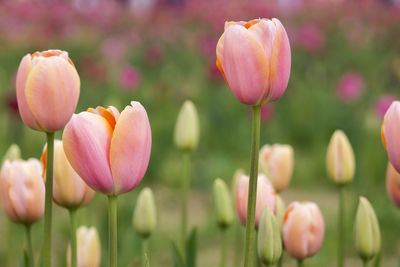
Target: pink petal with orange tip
{"type": "Point", "coordinates": [393, 184]}
{"type": "Point", "coordinates": [245, 65]}
{"type": "Point", "coordinates": [130, 148]}
{"type": "Point", "coordinates": [52, 92]}
{"type": "Point", "coordinates": [86, 142]}
{"type": "Point", "coordinates": [391, 130]}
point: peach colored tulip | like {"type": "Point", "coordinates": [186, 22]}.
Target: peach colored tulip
{"type": "Point", "coordinates": [393, 184]}
{"type": "Point", "coordinates": [69, 190]}
{"type": "Point", "coordinates": [265, 197]}
{"type": "Point", "coordinates": [89, 247]}
{"type": "Point", "coordinates": [390, 134]}
{"type": "Point", "coordinates": [109, 150]}
{"type": "Point", "coordinates": [48, 88]}
{"type": "Point", "coordinates": [277, 162]}
{"type": "Point", "coordinates": [22, 190]}
{"type": "Point", "coordinates": [254, 58]}
{"type": "Point", "coordinates": [303, 229]}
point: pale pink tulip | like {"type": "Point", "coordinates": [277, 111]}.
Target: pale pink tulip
{"type": "Point", "coordinates": [266, 197]}
{"type": "Point", "coordinates": [48, 88]}
{"type": "Point", "coordinates": [22, 190]}
{"type": "Point", "coordinates": [393, 184]}
{"type": "Point", "coordinates": [254, 58]}
{"type": "Point", "coordinates": [303, 229]}
{"type": "Point", "coordinates": [69, 190]}
{"type": "Point", "coordinates": [109, 150]}
{"type": "Point", "coordinates": [390, 134]}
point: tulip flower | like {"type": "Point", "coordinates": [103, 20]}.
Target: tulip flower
{"type": "Point", "coordinates": [144, 220]}
{"type": "Point", "coordinates": [69, 190]}
{"type": "Point", "coordinates": [254, 58]}
{"type": "Point", "coordinates": [266, 197]}
{"type": "Point", "coordinates": [280, 209]}
{"type": "Point", "coordinates": [48, 88]}
{"type": "Point", "coordinates": [110, 151]}
{"type": "Point", "coordinates": [393, 184]}
{"type": "Point", "coordinates": [22, 194]}
{"type": "Point", "coordinates": [269, 238]}
{"type": "Point", "coordinates": [303, 229]}
{"type": "Point", "coordinates": [390, 134]}
{"type": "Point", "coordinates": [89, 249]}
{"type": "Point", "coordinates": [367, 236]}
{"type": "Point", "coordinates": [276, 162]}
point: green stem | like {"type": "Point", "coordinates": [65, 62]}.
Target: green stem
{"type": "Point", "coordinates": [224, 241]}
{"type": "Point", "coordinates": [9, 244]}
{"type": "Point", "coordinates": [48, 201]}
{"type": "Point", "coordinates": [252, 194]}
{"type": "Point", "coordinates": [300, 263]}
{"type": "Point", "coordinates": [145, 255]}
{"type": "Point", "coordinates": [31, 259]}
{"type": "Point", "coordinates": [280, 261]}
{"type": "Point", "coordinates": [112, 224]}
{"type": "Point", "coordinates": [238, 243]}
{"type": "Point", "coordinates": [185, 188]}
{"type": "Point", "coordinates": [365, 263]}
{"type": "Point", "coordinates": [341, 228]}
{"type": "Point", "coordinates": [74, 248]}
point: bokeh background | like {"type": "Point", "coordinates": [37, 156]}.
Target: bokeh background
{"type": "Point", "coordinates": [345, 73]}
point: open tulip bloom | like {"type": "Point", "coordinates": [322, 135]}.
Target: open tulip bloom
{"type": "Point", "coordinates": [48, 88]}
{"type": "Point", "coordinates": [110, 151]}
{"type": "Point", "coordinates": [254, 57]}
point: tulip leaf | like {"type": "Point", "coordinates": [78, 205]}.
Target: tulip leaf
{"type": "Point", "coordinates": [191, 248]}
{"type": "Point", "coordinates": [178, 259]}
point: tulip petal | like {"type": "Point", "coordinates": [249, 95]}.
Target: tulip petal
{"type": "Point", "coordinates": [130, 148]}
{"type": "Point", "coordinates": [245, 65]}
{"type": "Point", "coordinates": [391, 130]}
{"type": "Point", "coordinates": [265, 32]}
{"type": "Point", "coordinates": [22, 74]}
{"type": "Point", "coordinates": [280, 62]}
{"type": "Point", "coordinates": [6, 173]}
{"type": "Point", "coordinates": [86, 141]}
{"type": "Point", "coordinates": [52, 92]}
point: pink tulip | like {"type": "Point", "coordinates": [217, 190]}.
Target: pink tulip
{"type": "Point", "coordinates": [109, 150]}
{"type": "Point", "coordinates": [22, 190]}
{"type": "Point", "coordinates": [390, 134]}
{"type": "Point", "coordinates": [393, 184]}
{"type": "Point", "coordinates": [350, 86]}
{"type": "Point", "coordinates": [265, 197]}
{"type": "Point", "coordinates": [302, 229]}
{"type": "Point", "coordinates": [254, 58]}
{"type": "Point", "coordinates": [48, 88]}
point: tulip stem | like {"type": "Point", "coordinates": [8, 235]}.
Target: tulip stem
{"type": "Point", "coordinates": [185, 188]}
{"type": "Point", "coordinates": [9, 244]}
{"type": "Point", "coordinates": [252, 194]}
{"type": "Point", "coordinates": [341, 230]}
{"type": "Point", "coordinates": [300, 263]}
{"type": "Point", "coordinates": [112, 224]}
{"type": "Point", "coordinates": [48, 201]}
{"type": "Point", "coordinates": [74, 249]}
{"type": "Point", "coordinates": [31, 260]}
{"type": "Point", "coordinates": [224, 241]}
{"type": "Point", "coordinates": [280, 261]}
{"type": "Point", "coordinates": [365, 263]}
{"type": "Point", "coordinates": [145, 255]}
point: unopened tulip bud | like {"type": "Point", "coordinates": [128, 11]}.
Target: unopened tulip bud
{"type": "Point", "coordinates": [280, 209]}
{"type": "Point", "coordinates": [393, 184]}
{"type": "Point", "coordinates": [69, 190]}
{"type": "Point", "coordinates": [13, 153]}
{"type": "Point", "coordinates": [367, 236]}
{"type": "Point", "coordinates": [223, 204]}
{"type": "Point", "coordinates": [340, 160]}
{"type": "Point", "coordinates": [145, 217]}
{"type": "Point", "coordinates": [390, 134]}
{"type": "Point", "coordinates": [186, 134]}
{"type": "Point", "coordinates": [269, 241]}
{"type": "Point", "coordinates": [303, 229]}
{"type": "Point", "coordinates": [89, 250]}
{"type": "Point", "coordinates": [22, 190]}
{"type": "Point", "coordinates": [266, 197]}
{"type": "Point", "coordinates": [276, 162]}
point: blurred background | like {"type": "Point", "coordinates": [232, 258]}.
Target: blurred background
{"type": "Point", "coordinates": [345, 74]}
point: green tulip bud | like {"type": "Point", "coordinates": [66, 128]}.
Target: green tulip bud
{"type": "Point", "coordinates": [223, 204]}
{"type": "Point", "coordinates": [367, 236]}
{"type": "Point", "coordinates": [13, 153]}
{"type": "Point", "coordinates": [269, 238]}
{"type": "Point", "coordinates": [340, 160]}
{"type": "Point", "coordinates": [280, 209]}
{"type": "Point", "coordinates": [144, 218]}
{"type": "Point", "coordinates": [186, 135]}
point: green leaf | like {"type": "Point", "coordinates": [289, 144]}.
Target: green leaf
{"type": "Point", "coordinates": [178, 260]}
{"type": "Point", "coordinates": [378, 258]}
{"type": "Point", "coordinates": [191, 249]}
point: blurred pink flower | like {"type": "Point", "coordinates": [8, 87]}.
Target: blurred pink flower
{"type": "Point", "coordinates": [114, 49]}
{"type": "Point", "coordinates": [382, 105]}
{"type": "Point", "coordinates": [311, 37]}
{"type": "Point", "coordinates": [129, 78]}
{"type": "Point", "coordinates": [350, 86]}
